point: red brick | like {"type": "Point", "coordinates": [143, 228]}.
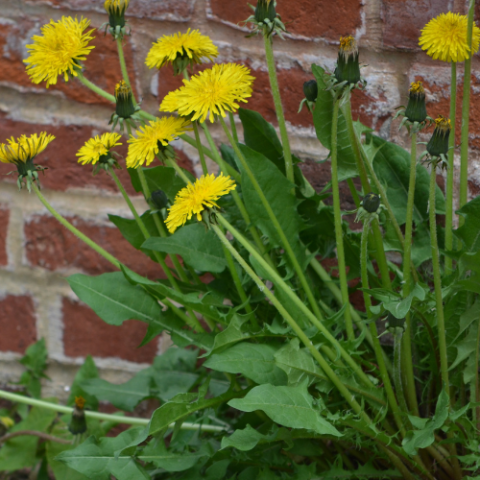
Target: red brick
{"type": "Point", "coordinates": [64, 172]}
{"type": "Point", "coordinates": [85, 333]}
{"type": "Point", "coordinates": [404, 19]}
{"type": "Point", "coordinates": [172, 10]}
{"type": "Point", "coordinates": [51, 246]}
{"type": "Point", "coordinates": [17, 323]}
{"type": "Point", "coordinates": [306, 18]}
{"type": "Point", "coordinates": [4, 219]}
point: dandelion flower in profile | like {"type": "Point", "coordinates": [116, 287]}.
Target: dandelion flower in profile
{"type": "Point", "coordinates": [445, 38]}
{"type": "Point", "coordinates": [24, 149]}
{"type": "Point", "coordinates": [58, 50]}
{"type": "Point", "coordinates": [98, 147]}
{"type": "Point", "coordinates": [211, 92]}
{"type": "Point", "coordinates": [181, 50]}
{"type": "Point", "coordinates": [193, 199]}
{"type": "Point", "coordinates": [154, 140]}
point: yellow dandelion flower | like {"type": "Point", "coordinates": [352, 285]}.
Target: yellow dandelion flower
{"type": "Point", "coordinates": [116, 7]}
{"type": "Point", "coordinates": [417, 87]}
{"type": "Point", "coordinates": [211, 92]}
{"type": "Point", "coordinates": [188, 47]}
{"type": "Point", "coordinates": [24, 149]}
{"type": "Point", "coordinates": [154, 138]}
{"type": "Point", "coordinates": [58, 52]}
{"type": "Point", "coordinates": [193, 199]}
{"type": "Point", "coordinates": [445, 38]}
{"type": "Point", "coordinates": [97, 147]}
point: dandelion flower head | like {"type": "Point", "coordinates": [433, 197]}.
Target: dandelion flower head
{"type": "Point", "coordinates": [58, 50]}
{"type": "Point", "coordinates": [24, 149]}
{"type": "Point", "coordinates": [97, 147]}
{"type": "Point", "coordinates": [443, 123]}
{"type": "Point", "coordinates": [211, 92]}
{"type": "Point", "coordinates": [151, 138]}
{"type": "Point", "coordinates": [445, 38]}
{"type": "Point", "coordinates": [417, 87]}
{"type": "Point", "coordinates": [116, 6]}
{"type": "Point", "coordinates": [192, 45]}
{"type": "Point", "coordinates": [193, 199]}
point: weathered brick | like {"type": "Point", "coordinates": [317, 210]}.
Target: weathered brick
{"type": "Point", "coordinates": [305, 18]}
{"type": "Point", "coordinates": [4, 219]}
{"type": "Point", "coordinates": [171, 10]}
{"type": "Point", "coordinates": [404, 19]}
{"type": "Point", "coordinates": [17, 323]}
{"type": "Point", "coordinates": [51, 246]}
{"type": "Point", "coordinates": [84, 333]}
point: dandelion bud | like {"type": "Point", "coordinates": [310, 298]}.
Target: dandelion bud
{"type": "Point", "coordinates": [78, 423]}
{"type": "Point", "coordinates": [348, 68]}
{"type": "Point", "coordinates": [116, 12]}
{"type": "Point", "coordinates": [416, 110]}
{"type": "Point", "coordinates": [159, 199]}
{"type": "Point", "coordinates": [124, 98]}
{"type": "Point", "coordinates": [310, 89]}
{"type": "Point", "coordinates": [371, 202]}
{"type": "Point", "coordinates": [438, 144]}
{"type": "Point", "coordinates": [265, 10]}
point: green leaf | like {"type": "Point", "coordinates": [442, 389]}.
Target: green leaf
{"type": "Point", "coordinates": [199, 247]}
{"type": "Point", "coordinates": [392, 166]}
{"type": "Point", "coordinates": [288, 406]}
{"type": "Point", "coordinates": [35, 362]}
{"type": "Point", "coordinates": [97, 461]}
{"type": "Point", "coordinates": [261, 136]}
{"type": "Point", "coordinates": [21, 452]}
{"type": "Point", "coordinates": [243, 440]}
{"type": "Point", "coordinates": [255, 361]}
{"type": "Point", "coordinates": [322, 118]}
{"type": "Point", "coordinates": [114, 299]}
{"type": "Point", "coordinates": [277, 190]}
{"type": "Point", "coordinates": [160, 178]}
{"type": "Point", "coordinates": [61, 470]}
{"type": "Point", "coordinates": [86, 372]}
{"type": "Point", "coordinates": [469, 234]}
{"type": "Point", "coordinates": [125, 396]}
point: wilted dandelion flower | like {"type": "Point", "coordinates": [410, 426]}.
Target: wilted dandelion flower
{"type": "Point", "coordinates": [58, 50]}
{"type": "Point", "coordinates": [445, 38]}
{"type": "Point", "coordinates": [438, 144]}
{"type": "Point", "coordinates": [153, 139]}
{"type": "Point", "coordinates": [181, 50]}
{"type": "Point", "coordinates": [211, 92]}
{"type": "Point", "coordinates": [193, 199]}
{"type": "Point", "coordinates": [98, 147]}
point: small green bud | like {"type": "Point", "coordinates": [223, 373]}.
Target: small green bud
{"type": "Point", "coordinates": [371, 202]}
{"type": "Point", "coordinates": [159, 199]}
{"type": "Point", "coordinates": [348, 68]}
{"type": "Point", "coordinates": [416, 110]}
{"type": "Point", "coordinates": [310, 89]}
{"type": "Point", "coordinates": [265, 10]}
{"type": "Point", "coordinates": [123, 95]}
{"type": "Point", "coordinates": [438, 144]}
{"type": "Point", "coordinates": [78, 423]}
{"type": "Point", "coordinates": [116, 12]}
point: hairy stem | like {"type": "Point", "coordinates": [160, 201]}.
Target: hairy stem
{"type": "Point", "coordinates": [123, 66]}
{"type": "Point", "coordinates": [94, 88]}
{"type": "Point", "coordinates": [200, 149]}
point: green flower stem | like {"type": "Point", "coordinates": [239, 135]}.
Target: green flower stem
{"type": "Point", "coordinates": [407, 364]}
{"type": "Point", "coordinates": [280, 283]}
{"type": "Point", "coordinates": [191, 320]}
{"type": "Point", "coordinates": [437, 280]}
{"type": "Point", "coordinates": [379, 354]}
{"type": "Point", "coordinates": [236, 197]}
{"type": "Point", "coordinates": [353, 191]}
{"type": "Point", "coordinates": [14, 397]}
{"type": "Point", "coordinates": [476, 411]}
{"type": "Point", "coordinates": [75, 231]}
{"type": "Point", "coordinates": [94, 88]}
{"type": "Point", "coordinates": [466, 115]}
{"type": "Point", "coordinates": [397, 369]}
{"type": "Point", "coordinates": [342, 269]}
{"type": "Point", "coordinates": [233, 126]}
{"type": "Point", "coordinates": [293, 324]}
{"type": "Point", "coordinates": [450, 172]}
{"type": "Point", "coordinates": [199, 148]}
{"type": "Point", "coordinates": [123, 66]}
{"type": "Point", "coordinates": [276, 224]}
{"type": "Point", "coordinates": [277, 100]}
{"type": "Point", "coordinates": [173, 164]}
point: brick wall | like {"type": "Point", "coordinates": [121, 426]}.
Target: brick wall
{"type": "Point", "coordinates": [36, 253]}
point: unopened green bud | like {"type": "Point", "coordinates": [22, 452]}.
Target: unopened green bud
{"type": "Point", "coordinates": [310, 89]}
{"type": "Point", "coordinates": [348, 68]}
{"type": "Point", "coordinates": [371, 202]}
{"type": "Point", "coordinates": [416, 109]}
{"type": "Point", "coordinates": [116, 12]}
{"type": "Point", "coordinates": [265, 10]}
{"type": "Point", "coordinates": [438, 144]}
{"type": "Point", "coordinates": [123, 95]}
{"type": "Point", "coordinates": [159, 199]}
{"type": "Point", "coordinates": [78, 423]}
